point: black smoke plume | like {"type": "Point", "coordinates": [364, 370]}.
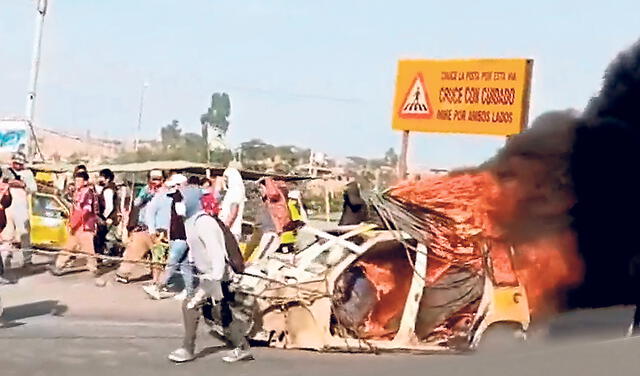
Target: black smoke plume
{"type": "Point", "coordinates": [581, 170]}
{"type": "Point", "coordinates": [604, 166]}
{"type": "Point", "coordinates": [537, 161]}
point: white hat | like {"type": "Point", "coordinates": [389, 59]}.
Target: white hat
{"type": "Point", "coordinates": [175, 180]}
{"type": "Point", "coordinates": [155, 174]}
{"type": "Point", "coordinates": [294, 194]}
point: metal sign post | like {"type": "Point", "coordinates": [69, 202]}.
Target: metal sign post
{"type": "Point", "coordinates": [402, 162]}
{"type": "Point", "coordinates": [475, 96]}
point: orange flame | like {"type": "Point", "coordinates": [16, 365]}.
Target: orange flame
{"type": "Point", "coordinates": [483, 210]}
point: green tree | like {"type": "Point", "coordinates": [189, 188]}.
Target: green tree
{"type": "Point", "coordinates": [221, 157]}
{"type": "Point", "coordinates": [171, 135]}
{"type": "Point", "coordinates": [192, 148]}
{"type": "Point", "coordinates": [257, 150]}
{"type": "Point", "coordinates": [217, 114]}
{"type": "Point", "coordinates": [174, 145]}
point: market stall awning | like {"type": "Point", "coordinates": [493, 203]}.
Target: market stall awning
{"type": "Point", "coordinates": [181, 166]}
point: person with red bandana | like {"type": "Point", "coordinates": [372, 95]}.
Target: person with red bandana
{"type": "Point", "coordinates": [140, 240]}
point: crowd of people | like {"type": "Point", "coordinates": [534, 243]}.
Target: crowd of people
{"type": "Point", "coordinates": [183, 231]}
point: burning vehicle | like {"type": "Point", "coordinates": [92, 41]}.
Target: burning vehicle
{"type": "Point", "coordinates": [428, 278]}
{"type": "Point", "coordinates": [537, 229]}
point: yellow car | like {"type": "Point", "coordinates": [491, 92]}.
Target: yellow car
{"type": "Point", "coordinates": [49, 217]}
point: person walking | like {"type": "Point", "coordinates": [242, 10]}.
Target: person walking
{"type": "Point", "coordinates": [22, 185]}
{"type": "Point", "coordinates": [158, 220]}
{"type": "Point", "coordinates": [185, 202]}
{"type": "Point", "coordinates": [216, 256]}
{"type": "Point", "coordinates": [232, 207]}
{"type": "Point", "coordinates": [140, 240]}
{"type": "Point", "coordinates": [82, 226]}
{"type": "Point", "coordinates": [210, 200]}
{"type": "Point", "coordinates": [273, 218]}
{"type": "Point", "coordinates": [106, 190]}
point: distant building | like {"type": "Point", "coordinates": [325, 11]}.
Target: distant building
{"type": "Point", "coordinates": [61, 146]}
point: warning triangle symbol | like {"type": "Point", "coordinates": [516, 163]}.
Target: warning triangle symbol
{"type": "Point", "coordinates": [416, 104]}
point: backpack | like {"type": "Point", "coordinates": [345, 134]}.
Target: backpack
{"type": "Point", "coordinates": [234, 254]}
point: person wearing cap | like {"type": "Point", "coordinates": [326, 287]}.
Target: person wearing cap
{"type": "Point", "coordinates": [140, 239]}
{"type": "Point", "coordinates": [182, 203]}
{"type": "Point", "coordinates": [155, 183]}
{"type": "Point", "coordinates": [157, 216]}
{"type": "Point", "coordinates": [22, 185]}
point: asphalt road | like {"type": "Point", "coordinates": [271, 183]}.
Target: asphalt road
{"type": "Point", "coordinates": [51, 345]}
{"type": "Point", "coordinates": [33, 342]}
{"type": "Point", "coordinates": [68, 326]}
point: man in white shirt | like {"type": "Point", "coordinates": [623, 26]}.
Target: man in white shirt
{"type": "Point", "coordinates": [232, 208]}
{"type": "Point", "coordinates": [22, 185]}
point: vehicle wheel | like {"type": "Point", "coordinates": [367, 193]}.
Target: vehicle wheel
{"type": "Point", "coordinates": [501, 336]}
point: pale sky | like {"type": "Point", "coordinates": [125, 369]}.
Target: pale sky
{"type": "Point", "coordinates": [317, 74]}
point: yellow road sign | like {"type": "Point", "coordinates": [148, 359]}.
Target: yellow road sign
{"type": "Point", "coordinates": [480, 96]}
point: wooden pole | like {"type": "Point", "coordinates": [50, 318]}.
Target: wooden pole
{"type": "Point", "coordinates": [402, 163]}
{"type": "Point", "coordinates": [327, 203]}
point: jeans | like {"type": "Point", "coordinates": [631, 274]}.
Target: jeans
{"type": "Point", "coordinates": [178, 260]}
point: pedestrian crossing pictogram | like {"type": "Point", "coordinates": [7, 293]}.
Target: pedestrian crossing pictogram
{"type": "Point", "coordinates": [416, 104]}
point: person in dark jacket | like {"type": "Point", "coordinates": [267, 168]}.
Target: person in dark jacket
{"type": "Point", "coordinates": [185, 202]}
{"type": "Point", "coordinates": [105, 236]}
{"type": "Point", "coordinates": [354, 210]}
